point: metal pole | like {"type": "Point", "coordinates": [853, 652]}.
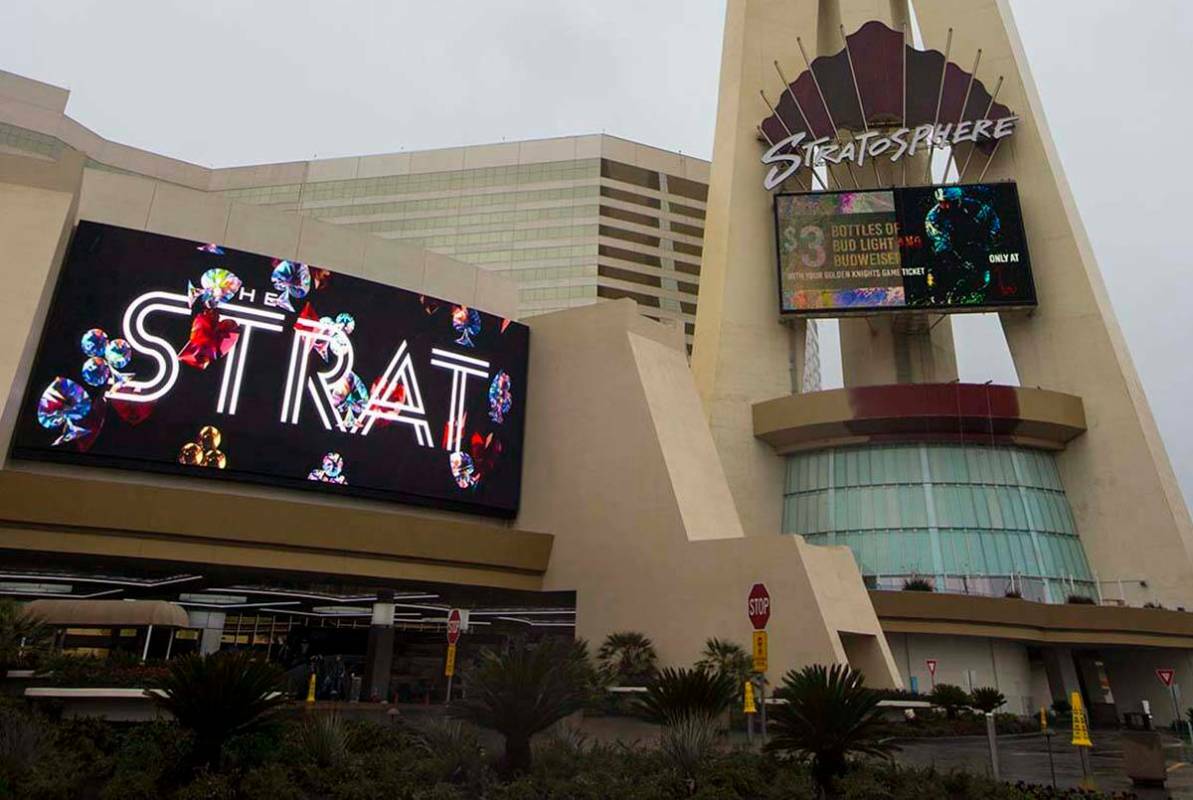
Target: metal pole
{"type": "Point", "coordinates": [149, 633]}
{"type": "Point", "coordinates": [448, 699]}
{"type": "Point", "coordinates": [992, 738]}
{"type": "Point", "coordinates": [170, 643]}
{"type": "Point", "coordinates": [762, 694]}
{"type": "Point", "coordinates": [1051, 765]}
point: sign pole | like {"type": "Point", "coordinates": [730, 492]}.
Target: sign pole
{"type": "Point", "coordinates": [992, 738]}
{"type": "Point", "coordinates": [758, 610]}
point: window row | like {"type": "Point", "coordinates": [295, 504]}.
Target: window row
{"type": "Point", "coordinates": [963, 552]}
{"type": "Point", "coordinates": [895, 464]}
{"type": "Point", "coordinates": [454, 179]}
{"type": "Point", "coordinates": [914, 506]}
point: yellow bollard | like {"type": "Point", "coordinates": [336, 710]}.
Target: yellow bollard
{"type": "Point", "coordinates": [311, 689]}
{"type": "Point", "coordinates": [1043, 719]}
{"type": "Point", "coordinates": [748, 706]}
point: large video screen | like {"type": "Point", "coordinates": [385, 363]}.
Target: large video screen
{"type": "Point", "coordinates": [943, 248]}
{"type": "Point", "coordinates": [185, 357]}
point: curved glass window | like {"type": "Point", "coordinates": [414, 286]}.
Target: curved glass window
{"type": "Point", "coordinates": [971, 518]}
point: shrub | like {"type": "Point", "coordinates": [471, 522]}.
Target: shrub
{"type": "Point", "coordinates": [218, 696]}
{"type": "Point", "coordinates": [675, 694]}
{"type": "Point", "coordinates": [269, 782]}
{"type": "Point", "coordinates": [1080, 600]}
{"type": "Point", "coordinates": [687, 744]}
{"type": "Point", "coordinates": [627, 658]}
{"type": "Point", "coordinates": [23, 740]}
{"type": "Point", "coordinates": [727, 658]}
{"type": "Point", "coordinates": [1013, 593]}
{"type": "Point", "coordinates": [323, 738]}
{"type": "Point", "coordinates": [949, 697]}
{"type": "Point", "coordinates": [918, 585]}
{"type": "Point", "coordinates": [829, 715]}
{"type": "Point", "coordinates": [454, 751]}
{"type": "Point", "coordinates": [526, 690]}
{"type": "Point", "coordinates": [23, 636]}
{"type": "Point", "coordinates": [987, 699]}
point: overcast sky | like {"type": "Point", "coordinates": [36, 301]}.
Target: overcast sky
{"type": "Point", "coordinates": [226, 82]}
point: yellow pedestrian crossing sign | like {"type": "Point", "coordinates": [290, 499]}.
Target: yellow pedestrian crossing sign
{"type": "Point", "coordinates": [449, 667]}
{"type": "Point", "coordinates": [1080, 727]}
{"type": "Point", "coordinates": [760, 651]}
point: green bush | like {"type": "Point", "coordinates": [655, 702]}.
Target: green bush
{"type": "Point", "coordinates": [829, 716]}
{"type": "Point", "coordinates": [526, 690]}
{"type": "Point", "coordinates": [918, 585]}
{"type": "Point", "coordinates": [216, 697]}
{"type": "Point", "coordinates": [986, 699]}
{"type": "Point", "coordinates": [627, 658]}
{"type": "Point", "coordinates": [949, 697]}
{"type": "Point", "coordinates": [675, 694]}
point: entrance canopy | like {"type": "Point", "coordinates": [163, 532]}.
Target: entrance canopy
{"type": "Point", "coordinates": [109, 613]}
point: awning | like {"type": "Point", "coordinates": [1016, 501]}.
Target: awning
{"type": "Point", "coordinates": [109, 613]}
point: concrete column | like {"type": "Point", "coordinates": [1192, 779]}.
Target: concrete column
{"type": "Point", "coordinates": [212, 623]}
{"type": "Point", "coordinates": [1061, 671]}
{"type": "Point", "coordinates": [379, 656]}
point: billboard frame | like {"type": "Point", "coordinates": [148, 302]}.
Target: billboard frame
{"type": "Point", "coordinates": [862, 311]}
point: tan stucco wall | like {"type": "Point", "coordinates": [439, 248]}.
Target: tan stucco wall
{"type": "Point", "coordinates": [644, 524]}
{"type": "Point", "coordinates": [1130, 513]}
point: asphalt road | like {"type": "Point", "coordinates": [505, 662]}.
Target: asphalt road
{"type": "Point", "coordinates": [1026, 758]}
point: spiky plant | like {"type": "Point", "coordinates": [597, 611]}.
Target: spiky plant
{"type": "Point", "coordinates": [987, 699]}
{"type": "Point", "coordinates": [323, 738]}
{"type": "Point", "coordinates": [829, 715]}
{"type": "Point", "coordinates": [950, 697]}
{"type": "Point", "coordinates": [687, 744]}
{"type": "Point", "coordinates": [218, 696]}
{"type": "Point", "coordinates": [525, 690]}
{"type": "Point", "coordinates": [675, 694]}
{"type": "Point", "coordinates": [21, 633]}
{"type": "Point", "coordinates": [627, 658]}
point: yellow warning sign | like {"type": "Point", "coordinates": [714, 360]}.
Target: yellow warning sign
{"type": "Point", "coordinates": [449, 667]}
{"type": "Point", "coordinates": [760, 651]}
{"type": "Point", "coordinates": [749, 707]}
{"type": "Point", "coordinates": [1080, 728]}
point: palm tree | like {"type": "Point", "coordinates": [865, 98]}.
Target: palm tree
{"type": "Point", "coordinates": [20, 633]}
{"type": "Point", "coordinates": [674, 695]}
{"type": "Point", "coordinates": [727, 658]}
{"type": "Point", "coordinates": [950, 697]}
{"type": "Point", "coordinates": [218, 696]}
{"type": "Point", "coordinates": [829, 714]}
{"type": "Point", "coordinates": [627, 657]}
{"type": "Point", "coordinates": [987, 699]}
{"type": "Point", "coordinates": [526, 690]}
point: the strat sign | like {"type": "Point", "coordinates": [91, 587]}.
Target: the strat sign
{"type": "Point", "coordinates": [165, 354]}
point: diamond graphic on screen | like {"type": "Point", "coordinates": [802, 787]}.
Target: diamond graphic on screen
{"type": "Point", "coordinates": [215, 286]}
{"type": "Point", "coordinates": [351, 397]}
{"type": "Point", "coordinates": [501, 399]}
{"type": "Point", "coordinates": [118, 353]}
{"type": "Point", "coordinates": [214, 249]}
{"type": "Point", "coordinates": [485, 450]}
{"type": "Point", "coordinates": [292, 281]}
{"type": "Point", "coordinates": [462, 470]}
{"type": "Point", "coordinates": [204, 451]}
{"type": "Point", "coordinates": [211, 338]}
{"type": "Point", "coordinates": [331, 471]}
{"type": "Point", "coordinates": [63, 402]}
{"type": "Point", "coordinates": [337, 330]}
{"type": "Point", "coordinates": [467, 322]}
{"type": "Point", "coordinates": [96, 372]}
{"type": "Point", "coordinates": [430, 304]}
{"type": "Point", "coordinates": [95, 342]}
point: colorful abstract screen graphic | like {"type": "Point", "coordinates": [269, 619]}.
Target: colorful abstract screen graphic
{"type": "Point", "coordinates": [182, 357]}
{"type": "Point", "coordinates": [943, 248]}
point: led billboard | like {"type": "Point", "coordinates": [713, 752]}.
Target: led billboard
{"type": "Point", "coordinates": [940, 248]}
{"type": "Point", "coordinates": [188, 358]}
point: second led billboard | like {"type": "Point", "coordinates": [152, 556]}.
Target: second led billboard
{"type": "Point", "coordinates": [943, 248]}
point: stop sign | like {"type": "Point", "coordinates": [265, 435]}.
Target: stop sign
{"type": "Point", "coordinates": [758, 606]}
{"type": "Point", "coordinates": [453, 626]}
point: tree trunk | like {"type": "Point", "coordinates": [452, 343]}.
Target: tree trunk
{"type": "Point", "coordinates": [517, 754]}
